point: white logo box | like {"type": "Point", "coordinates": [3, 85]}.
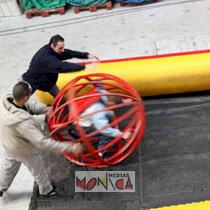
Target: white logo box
{"type": "Point", "coordinates": [104, 181]}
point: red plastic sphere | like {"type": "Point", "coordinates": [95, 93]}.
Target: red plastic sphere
{"type": "Point", "coordinates": [77, 95]}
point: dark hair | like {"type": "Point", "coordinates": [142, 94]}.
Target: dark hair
{"type": "Point", "coordinates": [55, 39]}
{"type": "Point", "coordinates": [115, 99]}
{"type": "Point", "coordinates": [20, 90]}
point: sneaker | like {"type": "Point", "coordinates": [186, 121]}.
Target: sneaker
{"type": "Point", "coordinates": [1, 193]}
{"type": "Point", "coordinates": [104, 155]}
{"type": "Point", "coordinates": [51, 193]}
{"type": "Point", "coordinates": [100, 154]}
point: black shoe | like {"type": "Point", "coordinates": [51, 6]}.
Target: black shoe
{"type": "Point", "coordinates": [1, 193]}
{"type": "Point", "coordinates": [72, 132]}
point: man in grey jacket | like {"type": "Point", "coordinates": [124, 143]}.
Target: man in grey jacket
{"type": "Point", "coordinates": [22, 139]}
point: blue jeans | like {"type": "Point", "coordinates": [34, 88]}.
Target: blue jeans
{"type": "Point", "coordinates": [103, 140]}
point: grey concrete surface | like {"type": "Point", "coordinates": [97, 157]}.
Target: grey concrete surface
{"type": "Point", "coordinates": [171, 165]}
{"type": "Point", "coordinates": [164, 27]}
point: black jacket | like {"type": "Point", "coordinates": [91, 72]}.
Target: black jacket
{"type": "Point", "coordinates": [46, 64]}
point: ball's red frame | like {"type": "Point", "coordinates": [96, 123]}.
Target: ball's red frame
{"type": "Point", "coordinates": [79, 90]}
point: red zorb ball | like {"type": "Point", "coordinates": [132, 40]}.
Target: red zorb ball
{"type": "Point", "coordinates": [128, 116]}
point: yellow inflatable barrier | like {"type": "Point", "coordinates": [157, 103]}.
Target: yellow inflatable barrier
{"type": "Point", "coordinates": [153, 75]}
{"type": "Point", "coordinates": [205, 205]}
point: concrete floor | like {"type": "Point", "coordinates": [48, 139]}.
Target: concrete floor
{"type": "Point", "coordinates": [164, 27]}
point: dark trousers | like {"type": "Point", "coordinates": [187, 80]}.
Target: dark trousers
{"type": "Point", "coordinates": [54, 92]}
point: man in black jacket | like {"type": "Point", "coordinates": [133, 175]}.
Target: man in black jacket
{"type": "Point", "coordinates": [48, 62]}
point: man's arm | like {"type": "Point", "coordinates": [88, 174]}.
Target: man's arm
{"type": "Point", "coordinates": [55, 65]}
{"type": "Point", "coordinates": [64, 67]}
{"type": "Point", "coordinates": [35, 107]}
{"type": "Point", "coordinates": [68, 54]}
{"type": "Point", "coordinates": [41, 141]}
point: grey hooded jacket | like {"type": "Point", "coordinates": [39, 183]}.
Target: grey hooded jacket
{"type": "Point", "coordinates": [20, 132]}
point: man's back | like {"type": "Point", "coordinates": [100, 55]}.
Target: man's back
{"type": "Point", "coordinates": [42, 69]}
{"type": "Point", "coordinates": [16, 125]}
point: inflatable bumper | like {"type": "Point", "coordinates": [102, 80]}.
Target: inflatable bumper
{"type": "Point", "coordinates": [153, 75]}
